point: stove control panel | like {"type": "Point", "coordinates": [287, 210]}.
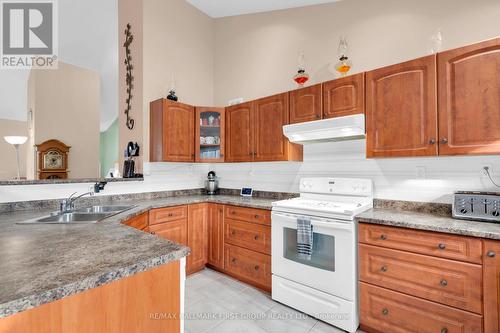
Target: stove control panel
{"type": "Point", "coordinates": [477, 206]}
{"type": "Point", "coordinates": [337, 186]}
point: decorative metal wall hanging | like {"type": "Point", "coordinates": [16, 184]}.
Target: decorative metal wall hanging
{"type": "Point", "coordinates": [129, 79]}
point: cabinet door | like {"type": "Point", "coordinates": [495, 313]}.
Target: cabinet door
{"type": "Point", "coordinates": [306, 104]}
{"type": "Point", "coordinates": [344, 96]}
{"type": "Point", "coordinates": [216, 235]}
{"type": "Point", "coordinates": [469, 99]}
{"type": "Point", "coordinates": [491, 285]}
{"type": "Point", "coordinates": [401, 113]}
{"type": "Point", "coordinates": [175, 231]}
{"type": "Point", "coordinates": [139, 222]}
{"type": "Point", "coordinates": [239, 133]}
{"type": "Point", "coordinates": [197, 237]}
{"type": "Point", "coordinates": [209, 136]}
{"type": "Point", "coordinates": [271, 113]}
{"type": "Point", "coordinates": [178, 135]}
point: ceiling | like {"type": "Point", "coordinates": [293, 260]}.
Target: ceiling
{"type": "Point", "coordinates": [223, 8]}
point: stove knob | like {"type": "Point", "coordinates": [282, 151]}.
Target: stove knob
{"type": "Point", "coordinates": [495, 213]}
{"type": "Point", "coordinates": [463, 211]}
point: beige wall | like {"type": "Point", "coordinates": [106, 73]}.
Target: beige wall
{"type": "Point", "coordinates": [8, 168]}
{"type": "Point", "coordinates": [179, 41]}
{"type": "Point", "coordinates": [130, 11]}
{"type": "Point", "coordinates": [66, 106]}
{"type": "Point", "coordinates": [256, 55]}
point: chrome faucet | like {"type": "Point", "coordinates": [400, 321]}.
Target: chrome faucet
{"type": "Point", "coordinates": [68, 204]}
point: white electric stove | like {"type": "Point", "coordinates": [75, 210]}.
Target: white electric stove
{"type": "Point", "coordinates": [326, 285]}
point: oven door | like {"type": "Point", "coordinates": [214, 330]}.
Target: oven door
{"type": "Point", "coordinates": [332, 267]}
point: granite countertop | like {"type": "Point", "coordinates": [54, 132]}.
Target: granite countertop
{"type": "Point", "coordinates": [430, 222]}
{"type": "Point", "coordinates": [42, 263]}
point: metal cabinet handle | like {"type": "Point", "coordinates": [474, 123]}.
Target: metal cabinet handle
{"type": "Point", "coordinates": [233, 232]}
{"type": "Point", "coordinates": [442, 246]}
{"type": "Point", "coordinates": [256, 237]}
{"type": "Point", "coordinates": [383, 237]}
{"type": "Point", "coordinates": [443, 282]}
{"type": "Point", "coordinates": [491, 254]}
{"type": "Point", "coordinates": [444, 330]}
{"type": "Point", "coordinates": [432, 141]}
{"type": "Point", "coordinates": [256, 267]}
{"type": "Point", "coordinates": [233, 260]}
{"type": "Point", "coordinates": [444, 141]}
{"type": "Point", "coordinates": [383, 269]}
{"type": "Point", "coordinates": [385, 311]}
{"type": "Point", "coordinates": [256, 216]}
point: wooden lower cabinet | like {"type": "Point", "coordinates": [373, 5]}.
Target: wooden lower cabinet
{"type": "Point", "coordinates": [249, 266]}
{"type": "Point", "coordinates": [216, 235]}
{"type": "Point", "coordinates": [444, 281]}
{"type": "Point", "coordinates": [435, 244]}
{"type": "Point", "coordinates": [251, 236]}
{"type": "Point", "coordinates": [126, 305]}
{"type": "Point", "coordinates": [385, 311]}
{"type": "Point", "coordinates": [161, 215]}
{"type": "Point", "coordinates": [197, 237]}
{"type": "Point", "coordinates": [246, 214]}
{"type": "Point", "coordinates": [175, 231]}
{"type": "Point", "coordinates": [491, 285]}
{"type": "Point", "coordinates": [140, 222]}
{"type": "Point", "coordinates": [406, 285]}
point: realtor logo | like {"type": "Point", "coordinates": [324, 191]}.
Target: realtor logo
{"type": "Point", "coordinates": [29, 34]}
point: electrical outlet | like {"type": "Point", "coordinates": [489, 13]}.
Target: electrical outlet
{"type": "Point", "coordinates": [421, 172]}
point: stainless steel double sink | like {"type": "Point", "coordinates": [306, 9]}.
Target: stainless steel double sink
{"type": "Point", "coordinates": [91, 214]}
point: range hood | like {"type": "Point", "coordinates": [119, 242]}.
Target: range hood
{"type": "Point", "coordinates": [333, 129]}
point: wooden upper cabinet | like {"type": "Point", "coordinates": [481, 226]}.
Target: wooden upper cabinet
{"type": "Point", "coordinates": [171, 131]}
{"type": "Point", "coordinates": [239, 132]}
{"type": "Point", "coordinates": [491, 285]}
{"type": "Point", "coordinates": [401, 112]}
{"type": "Point", "coordinates": [270, 114]}
{"type": "Point", "coordinates": [306, 104]}
{"type": "Point", "coordinates": [209, 135]}
{"type": "Point", "coordinates": [469, 99]}
{"type": "Point", "coordinates": [344, 96]}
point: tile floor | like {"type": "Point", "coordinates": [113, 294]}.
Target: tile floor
{"type": "Point", "coordinates": [216, 303]}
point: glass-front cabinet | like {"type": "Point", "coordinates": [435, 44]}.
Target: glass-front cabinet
{"type": "Point", "coordinates": [209, 146]}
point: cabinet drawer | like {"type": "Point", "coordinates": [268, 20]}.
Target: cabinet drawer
{"type": "Point", "coordinates": [391, 312]}
{"type": "Point", "coordinates": [248, 214]}
{"type": "Point", "coordinates": [445, 281]}
{"type": "Point", "coordinates": [249, 265]}
{"type": "Point", "coordinates": [139, 222]}
{"type": "Point", "coordinates": [161, 215]}
{"type": "Point", "coordinates": [424, 242]}
{"type": "Point", "coordinates": [248, 235]}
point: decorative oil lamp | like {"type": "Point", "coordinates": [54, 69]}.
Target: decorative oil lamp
{"type": "Point", "coordinates": [344, 65]}
{"type": "Point", "coordinates": [301, 77]}
{"type": "Point", "coordinates": [171, 94]}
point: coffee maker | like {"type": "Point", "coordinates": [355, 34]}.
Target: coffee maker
{"type": "Point", "coordinates": [211, 184]}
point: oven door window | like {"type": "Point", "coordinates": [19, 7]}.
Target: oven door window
{"type": "Point", "coordinates": [323, 254]}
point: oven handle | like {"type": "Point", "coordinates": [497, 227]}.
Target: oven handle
{"type": "Point", "coordinates": [291, 220]}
